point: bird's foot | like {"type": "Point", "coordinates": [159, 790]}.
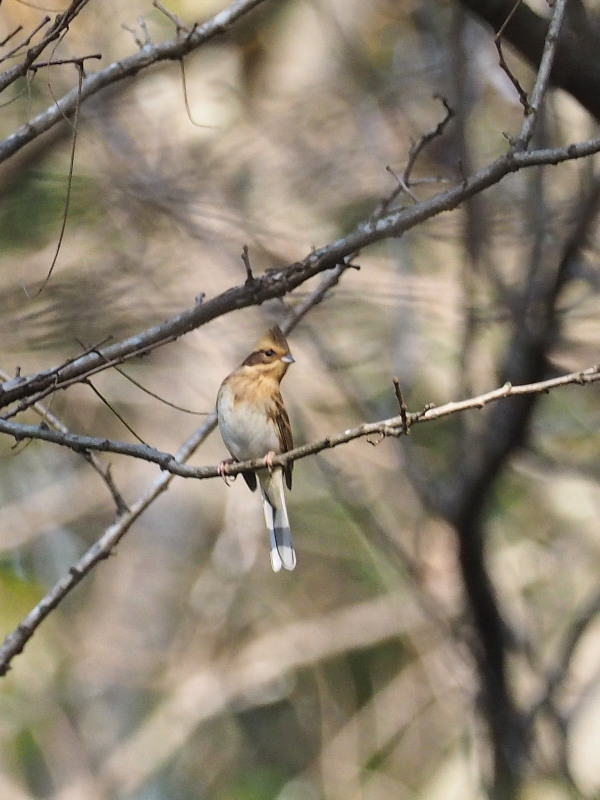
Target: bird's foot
{"type": "Point", "coordinates": [269, 460]}
{"type": "Point", "coordinates": [222, 470]}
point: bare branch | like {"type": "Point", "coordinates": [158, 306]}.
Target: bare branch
{"type": "Point", "coordinates": [25, 41]}
{"type": "Point", "coordinates": [16, 641]}
{"type": "Point", "coordinates": [9, 36]}
{"type": "Point", "coordinates": [78, 61]}
{"type": "Point", "coordinates": [405, 181]}
{"type": "Point", "coordinates": [180, 26]}
{"type": "Point", "coordinates": [330, 279]}
{"type": "Point", "coordinates": [246, 259]}
{"type": "Point", "coordinates": [523, 99]}
{"type": "Point", "coordinates": [104, 471]}
{"type": "Point", "coordinates": [57, 29]}
{"type": "Point", "coordinates": [172, 50]}
{"type": "Point", "coordinates": [394, 426]}
{"type": "Point", "coordinates": [277, 282]}
{"type": "Point", "coordinates": [418, 146]}
{"type": "Point", "coordinates": [543, 75]}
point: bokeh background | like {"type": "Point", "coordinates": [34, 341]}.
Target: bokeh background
{"type": "Point", "coordinates": [182, 667]}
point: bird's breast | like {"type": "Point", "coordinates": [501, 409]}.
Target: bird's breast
{"type": "Point", "coordinates": [246, 427]}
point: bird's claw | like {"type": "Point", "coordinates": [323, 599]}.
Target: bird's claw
{"type": "Point", "coordinates": [222, 470]}
{"type": "Point", "coordinates": [269, 460]}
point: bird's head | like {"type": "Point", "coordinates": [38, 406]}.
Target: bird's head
{"type": "Point", "coordinates": [271, 356]}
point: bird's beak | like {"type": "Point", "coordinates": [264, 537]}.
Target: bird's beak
{"type": "Point", "coordinates": [288, 358]}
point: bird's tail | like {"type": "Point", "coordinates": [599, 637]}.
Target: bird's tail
{"type": "Point", "coordinates": [278, 524]}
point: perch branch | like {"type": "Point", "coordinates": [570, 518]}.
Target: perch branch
{"type": "Point", "coordinates": [149, 54]}
{"type": "Point", "coordinates": [16, 641]}
{"type": "Point", "coordinates": [393, 426]}
{"type": "Point", "coordinates": [25, 390]}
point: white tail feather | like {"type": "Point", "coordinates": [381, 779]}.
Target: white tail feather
{"type": "Point", "coordinates": [280, 535]}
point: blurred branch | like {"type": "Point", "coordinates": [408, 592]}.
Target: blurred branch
{"type": "Point", "coordinates": [278, 282]}
{"type": "Point", "coordinates": [254, 666]}
{"type": "Point", "coordinates": [54, 422]}
{"type": "Point", "coordinates": [559, 673]}
{"type": "Point", "coordinates": [58, 28]}
{"type": "Point", "coordinates": [543, 76]}
{"type": "Point", "coordinates": [394, 426]}
{"type": "Point", "coordinates": [16, 641]}
{"type": "Point", "coordinates": [463, 497]}
{"type": "Point", "coordinates": [405, 180]}
{"type": "Point", "coordinates": [575, 68]}
{"type": "Point", "coordinates": [149, 54]}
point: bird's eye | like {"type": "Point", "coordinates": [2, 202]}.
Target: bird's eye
{"type": "Point", "coordinates": [269, 353]}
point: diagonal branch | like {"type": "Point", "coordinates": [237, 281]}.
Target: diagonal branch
{"type": "Point", "coordinates": [52, 421]}
{"type": "Point", "coordinates": [149, 54]}
{"type": "Point", "coordinates": [100, 550]}
{"type": "Point", "coordinates": [543, 76]}
{"type": "Point", "coordinates": [575, 66]}
{"type": "Point", "coordinates": [58, 28]}
{"type": "Point", "coordinates": [393, 426]}
{"type": "Point", "coordinates": [278, 282]}
{"type": "Point", "coordinates": [15, 642]}
{"type": "Point", "coordinates": [173, 465]}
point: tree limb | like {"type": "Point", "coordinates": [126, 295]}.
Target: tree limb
{"type": "Point", "coordinates": [576, 67]}
{"type": "Point", "coordinates": [149, 54]}
{"type": "Point", "coordinates": [277, 282]}
{"type": "Point", "coordinates": [393, 426]}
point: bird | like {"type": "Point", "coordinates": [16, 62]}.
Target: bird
{"type": "Point", "coordinates": [254, 423]}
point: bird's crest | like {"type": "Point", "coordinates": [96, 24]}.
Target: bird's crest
{"type": "Point", "coordinates": [275, 339]}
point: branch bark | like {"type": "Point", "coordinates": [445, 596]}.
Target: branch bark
{"type": "Point", "coordinates": [148, 55]}
{"type": "Point", "coordinates": [173, 465]}
{"type": "Point", "coordinates": [392, 427]}
{"type": "Point", "coordinates": [576, 67]}
{"type": "Point", "coordinates": [26, 390]}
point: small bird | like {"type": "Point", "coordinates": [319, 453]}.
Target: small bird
{"type": "Point", "coordinates": [254, 423]}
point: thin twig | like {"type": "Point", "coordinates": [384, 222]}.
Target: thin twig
{"type": "Point", "coordinates": [246, 259]}
{"type": "Point", "coordinates": [16, 641]}
{"type": "Point", "coordinates": [69, 189]}
{"type": "Point", "coordinates": [523, 99]}
{"type": "Point", "coordinates": [277, 282]}
{"type": "Point", "coordinates": [330, 279]}
{"type": "Point", "coordinates": [25, 41]}
{"type": "Point", "coordinates": [543, 76]}
{"type": "Point", "coordinates": [59, 61]}
{"type": "Point", "coordinates": [186, 100]}
{"type": "Point", "coordinates": [404, 182]}
{"type": "Point", "coordinates": [402, 404]}
{"type": "Point", "coordinates": [10, 36]}
{"type": "Point", "coordinates": [159, 397]}
{"type": "Point", "coordinates": [114, 411]}
{"type": "Point", "coordinates": [391, 427]}
{"type": "Point", "coordinates": [144, 389]}
{"type": "Point", "coordinates": [179, 24]}
{"type": "Point", "coordinates": [100, 550]}
{"type": "Point", "coordinates": [417, 147]}
{"type": "Point", "coordinates": [104, 471]}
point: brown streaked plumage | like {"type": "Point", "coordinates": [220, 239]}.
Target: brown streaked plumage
{"type": "Point", "coordinates": [254, 423]}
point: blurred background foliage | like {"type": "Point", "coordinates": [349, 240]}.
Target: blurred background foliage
{"type": "Point", "coordinates": [182, 667]}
